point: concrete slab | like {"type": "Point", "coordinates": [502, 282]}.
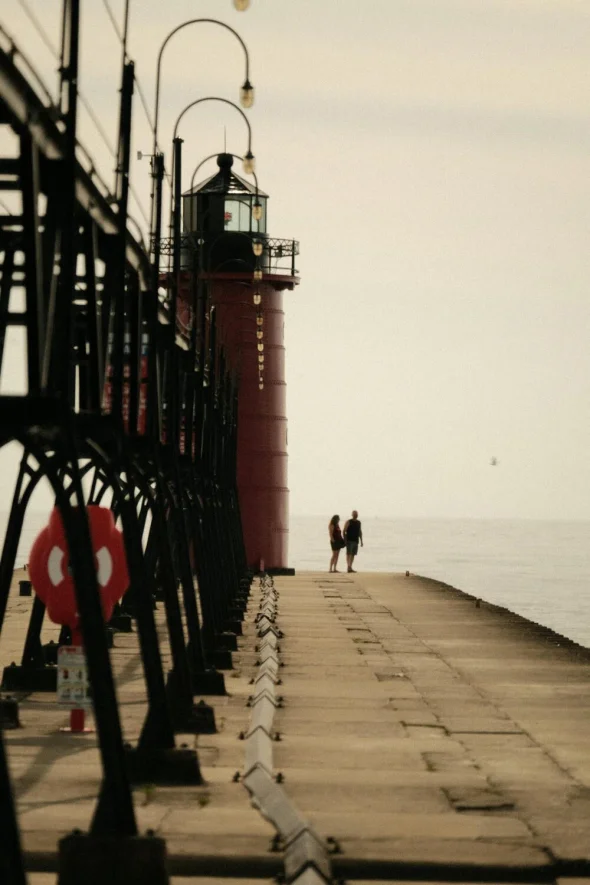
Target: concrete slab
{"type": "Point", "coordinates": [317, 729]}
{"type": "Point", "coordinates": [417, 729]}
{"type": "Point", "coordinates": [419, 853]}
{"type": "Point", "coordinates": [351, 825]}
{"type": "Point", "coordinates": [378, 799]}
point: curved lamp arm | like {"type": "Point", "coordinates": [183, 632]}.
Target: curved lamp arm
{"type": "Point", "coordinates": [248, 158]}
{"type": "Point", "coordinates": [247, 90]}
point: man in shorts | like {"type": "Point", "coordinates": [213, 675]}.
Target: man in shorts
{"type": "Point", "coordinates": [352, 534]}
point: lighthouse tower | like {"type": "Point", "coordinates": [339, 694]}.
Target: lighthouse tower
{"type": "Point", "coordinates": [246, 272]}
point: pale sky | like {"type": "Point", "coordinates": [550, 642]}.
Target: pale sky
{"type": "Point", "coordinates": [433, 159]}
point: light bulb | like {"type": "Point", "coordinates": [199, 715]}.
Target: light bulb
{"type": "Point", "coordinates": [257, 298]}
{"type": "Point", "coordinates": [259, 319]}
{"type": "Point", "coordinates": [257, 248]}
{"type": "Point", "coordinates": [249, 163]}
{"type": "Point", "coordinates": [257, 275]}
{"type": "Point", "coordinates": [241, 5]}
{"type": "Point", "coordinates": [247, 94]}
{"type": "Point", "coordinates": [261, 385]}
{"type": "Point", "coordinates": [259, 334]}
{"type": "Point", "coordinates": [261, 359]}
{"type": "Point", "coordinates": [257, 211]}
{"type": "Point", "coordinates": [260, 346]}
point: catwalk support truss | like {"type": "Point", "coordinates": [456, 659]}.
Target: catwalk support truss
{"type": "Point", "coordinates": [120, 410]}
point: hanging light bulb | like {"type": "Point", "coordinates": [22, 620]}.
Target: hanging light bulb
{"type": "Point", "coordinates": [260, 358]}
{"type": "Point", "coordinates": [259, 334]}
{"type": "Point", "coordinates": [260, 346]}
{"type": "Point", "coordinates": [249, 163]}
{"type": "Point", "coordinates": [261, 385]}
{"type": "Point", "coordinates": [257, 298]}
{"type": "Point", "coordinates": [257, 275]}
{"type": "Point", "coordinates": [257, 248]}
{"type": "Point", "coordinates": [241, 5]}
{"type": "Point", "coordinates": [247, 94]}
{"type": "Point", "coordinates": [257, 211]}
{"type": "Point", "coordinates": [259, 319]}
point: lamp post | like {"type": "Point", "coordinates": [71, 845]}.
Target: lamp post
{"type": "Point", "coordinates": [240, 5]}
{"type": "Point", "coordinates": [176, 190]}
{"type": "Point", "coordinates": [248, 159]}
{"type": "Point", "coordinates": [246, 91]}
{"type": "Point", "coordinates": [246, 99]}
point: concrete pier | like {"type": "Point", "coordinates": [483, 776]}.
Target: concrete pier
{"type": "Point", "coordinates": [424, 734]}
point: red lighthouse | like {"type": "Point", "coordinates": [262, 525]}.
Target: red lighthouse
{"type": "Point", "coordinates": [246, 272]}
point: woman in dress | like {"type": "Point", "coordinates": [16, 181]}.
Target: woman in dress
{"type": "Point", "coordinates": [336, 542]}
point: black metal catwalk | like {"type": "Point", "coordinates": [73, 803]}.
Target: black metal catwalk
{"type": "Point", "coordinates": [119, 410]}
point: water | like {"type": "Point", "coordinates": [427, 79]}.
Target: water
{"type": "Point", "coordinates": [538, 569]}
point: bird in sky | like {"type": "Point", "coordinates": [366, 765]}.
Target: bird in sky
{"type": "Point", "coordinates": [493, 461]}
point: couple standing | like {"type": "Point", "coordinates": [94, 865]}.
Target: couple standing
{"type": "Point", "coordinates": [348, 538]}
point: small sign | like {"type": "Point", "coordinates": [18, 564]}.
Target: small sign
{"type": "Point", "coordinates": [73, 689]}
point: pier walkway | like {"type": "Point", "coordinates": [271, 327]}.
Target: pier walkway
{"type": "Point", "coordinates": [424, 734]}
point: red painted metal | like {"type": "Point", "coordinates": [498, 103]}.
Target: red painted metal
{"type": "Point", "coordinates": [77, 718]}
{"type": "Point", "coordinates": [262, 414]}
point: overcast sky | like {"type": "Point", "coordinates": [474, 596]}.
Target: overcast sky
{"type": "Point", "coordinates": [433, 159]}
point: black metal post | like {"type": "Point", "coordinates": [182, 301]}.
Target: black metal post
{"type": "Point", "coordinates": [200, 669]}
{"type": "Point", "coordinates": [153, 394]}
{"type": "Point", "coordinates": [58, 375]}
{"type": "Point", "coordinates": [12, 870]}
{"type": "Point", "coordinates": [122, 195]}
{"type": "Point", "coordinates": [21, 497]}
{"type": "Point", "coordinates": [34, 283]}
